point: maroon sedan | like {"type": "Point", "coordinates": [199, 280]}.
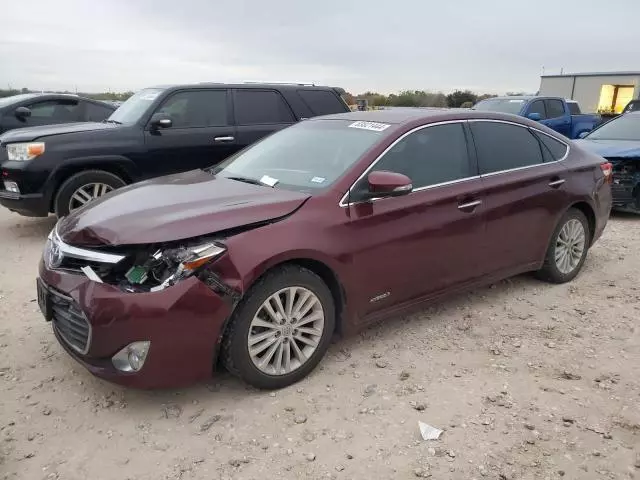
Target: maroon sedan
{"type": "Point", "coordinates": [323, 227]}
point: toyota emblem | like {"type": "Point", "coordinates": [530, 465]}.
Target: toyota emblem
{"type": "Point", "coordinates": [55, 255]}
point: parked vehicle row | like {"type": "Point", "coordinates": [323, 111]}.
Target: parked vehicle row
{"type": "Point", "coordinates": [563, 116]}
{"type": "Point", "coordinates": [156, 132]}
{"type": "Point", "coordinates": [323, 227]}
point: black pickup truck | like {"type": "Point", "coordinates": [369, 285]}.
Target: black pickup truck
{"type": "Point", "coordinates": [158, 131]}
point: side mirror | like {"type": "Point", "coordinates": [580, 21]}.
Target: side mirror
{"type": "Point", "coordinates": [583, 134]}
{"type": "Point", "coordinates": [388, 184]}
{"type": "Point", "coordinates": [160, 120]}
{"type": "Point", "coordinates": [22, 113]}
{"type": "Point", "coordinates": [536, 117]}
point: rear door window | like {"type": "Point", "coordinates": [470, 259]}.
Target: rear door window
{"type": "Point", "coordinates": [430, 156]}
{"type": "Point", "coordinates": [504, 146]}
{"type": "Point", "coordinates": [322, 102]}
{"type": "Point", "coordinates": [259, 107]}
{"type": "Point", "coordinates": [96, 113]}
{"type": "Point", "coordinates": [538, 107]}
{"type": "Point", "coordinates": [555, 108]}
{"type": "Point", "coordinates": [196, 108]}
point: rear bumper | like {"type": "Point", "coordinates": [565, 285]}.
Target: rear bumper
{"type": "Point", "coordinates": [183, 323]}
{"type": "Point", "coordinates": [31, 205]}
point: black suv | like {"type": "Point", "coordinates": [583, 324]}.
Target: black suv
{"type": "Point", "coordinates": [157, 131]}
{"type": "Point", "coordinates": [36, 109]}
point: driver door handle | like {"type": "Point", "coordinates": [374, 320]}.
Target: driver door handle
{"type": "Point", "coordinates": [556, 183]}
{"type": "Point", "coordinates": [469, 205]}
{"type": "Point", "coordinates": [228, 138]}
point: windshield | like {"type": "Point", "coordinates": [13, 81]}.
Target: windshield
{"type": "Point", "coordinates": [15, 98]}
{"type": "Point", "coordinates": [503, 105]}
{"type": "Point", "coordinates": [624, 127]}
{"type": "Point", "coordinates": [131, 110]}
{"type": "Point", "coordinates": [307, 156]}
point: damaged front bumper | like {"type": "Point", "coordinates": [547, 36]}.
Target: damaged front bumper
{"type": "Point", "coordinates": [182, 323]}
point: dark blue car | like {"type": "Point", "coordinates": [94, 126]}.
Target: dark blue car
{"type": "Point", "coordinates": [561, 115]}
{"type": "Point", "coordinates": [619, 142]}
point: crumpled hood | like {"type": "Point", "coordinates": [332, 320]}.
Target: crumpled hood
{"type": "Point", "coordinates": [175, 207]}
{"type": "Point", "coordinates": [611, 148]}
{"type": "Point", "coordinates": [29, 134]}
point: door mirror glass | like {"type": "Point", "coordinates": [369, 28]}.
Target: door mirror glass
{"type": "Point", "coordinates": [383, 183]}
{"type": "Point", "coordinates": [22, 113]}
{"type": "Point", "coordinates": [535, 116]}
{"type": "Point", "coordinates": [160, 120]}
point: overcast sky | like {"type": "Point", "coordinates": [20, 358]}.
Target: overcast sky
{"type": "Point", "coordinates": [491, 45]}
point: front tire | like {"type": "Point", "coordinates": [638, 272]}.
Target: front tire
{"type": "Point", "coordinates": [281, 330]}
{"type": "Point", "coordinates": [568, 248]}
{"type": "Point", "coordinates": [83, 187]}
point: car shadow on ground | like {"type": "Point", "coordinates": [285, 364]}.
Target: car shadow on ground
{"type": "Point", "coordinates": [20, 228]}
{"type": "Point", "coordinates": [224, 390]}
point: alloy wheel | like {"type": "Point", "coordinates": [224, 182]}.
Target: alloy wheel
{"type": "Point", "coordinates": [286, 330]}
{"type": "Point", "coordinates": [88, 192]}
{"type": "Point", "coordinates": [570, 245]}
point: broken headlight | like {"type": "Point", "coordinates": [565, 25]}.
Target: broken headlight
{"type": "Point", "coordinates": [168, 266]}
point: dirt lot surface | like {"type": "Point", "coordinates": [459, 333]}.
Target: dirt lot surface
{"type": "Point", "coordinates": [527, 380]}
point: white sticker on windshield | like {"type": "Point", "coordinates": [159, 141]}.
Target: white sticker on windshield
{"type": "Point", "coordinates": [149, 96]}
{"type": "Point", "coordinates": [318, 179]}
{"type": "Point", "coordinates": [269, 181]}
{"type": "Point", "coordinates": [375, 126]}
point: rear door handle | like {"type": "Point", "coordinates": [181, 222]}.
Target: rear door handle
{"type": "Point", "coordinates": [228, 138]}
{"type": "Point", "coordinates": [556, 183]}
{"type": "Point", "coordinates": [469, 205]}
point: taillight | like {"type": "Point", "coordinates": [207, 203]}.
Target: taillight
{"type": "Point", "coordinates": [607, 171]}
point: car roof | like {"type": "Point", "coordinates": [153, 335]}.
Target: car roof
{"type": "Point", "coordinates": [420, 115]}
{"type": "Point", "coordinates": [257, 85]}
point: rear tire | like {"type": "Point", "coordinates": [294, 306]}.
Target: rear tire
{"type": "Point", "coordinates": [81, 186]}
{"type": "Point", "coordinates": [269, 350]}
{"type": "Point", "coordinates": [567, 249]}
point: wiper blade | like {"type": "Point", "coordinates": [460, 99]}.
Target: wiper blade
{"type": "Point", "coordinates": [252, 181]}
{"type": "Point", "coordinates": [112, 121]}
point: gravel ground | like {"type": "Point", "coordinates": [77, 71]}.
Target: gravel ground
{"type": "Point", "coordinates": [527, 380]}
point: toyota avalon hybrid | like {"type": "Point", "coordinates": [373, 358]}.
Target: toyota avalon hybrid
{"type": "Point", "coordinates": [321, 228]}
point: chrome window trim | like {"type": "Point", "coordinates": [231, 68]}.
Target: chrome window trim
{"type": "Point", "coordinates": [343, 203]}
{"type": "Point", "coordinates": [84, 254]}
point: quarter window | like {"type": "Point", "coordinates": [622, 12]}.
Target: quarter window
{"type": "Point", "coordinates": [504, 146]}
{"type": "Point", "coordinates": [322, 102]}
{"type": "Point", "coordinates": [253, 107]}
{"type": "Point", "coordinates": [555, 108]}
{"type": "Point", "coordinates": [538, 107]}
{"type": "Point", "coordinates": [196, 108]}
{"type": "Point", "coordinates": [551, 148]}
{"type": "Point", "coordinates": [430, 156]}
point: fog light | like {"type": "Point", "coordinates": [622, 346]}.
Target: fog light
{"type": "Point", "coordinates": [11, 186]}
{"type": "Point", "coordinates": [131, 358]}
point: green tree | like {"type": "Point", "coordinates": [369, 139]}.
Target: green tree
{"type": "Point", "coordinates": [457, 98]}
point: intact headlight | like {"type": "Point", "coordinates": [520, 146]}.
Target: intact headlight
{"type": "Point", "coordinates": [168, 266]}
{"type": "Point", "coordinates": [22, 152]}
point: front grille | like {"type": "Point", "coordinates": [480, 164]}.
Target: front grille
{"type": "Point", "coordinates": [70, 322]}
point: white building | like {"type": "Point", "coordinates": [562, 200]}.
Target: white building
{"type": "Point", "coordinates": [604, 92]}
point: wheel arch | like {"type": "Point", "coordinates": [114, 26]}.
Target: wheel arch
{"type": "Point", "coordinates": [116, 165]}
{"type": "Point", "coordinates": [588, 212]}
